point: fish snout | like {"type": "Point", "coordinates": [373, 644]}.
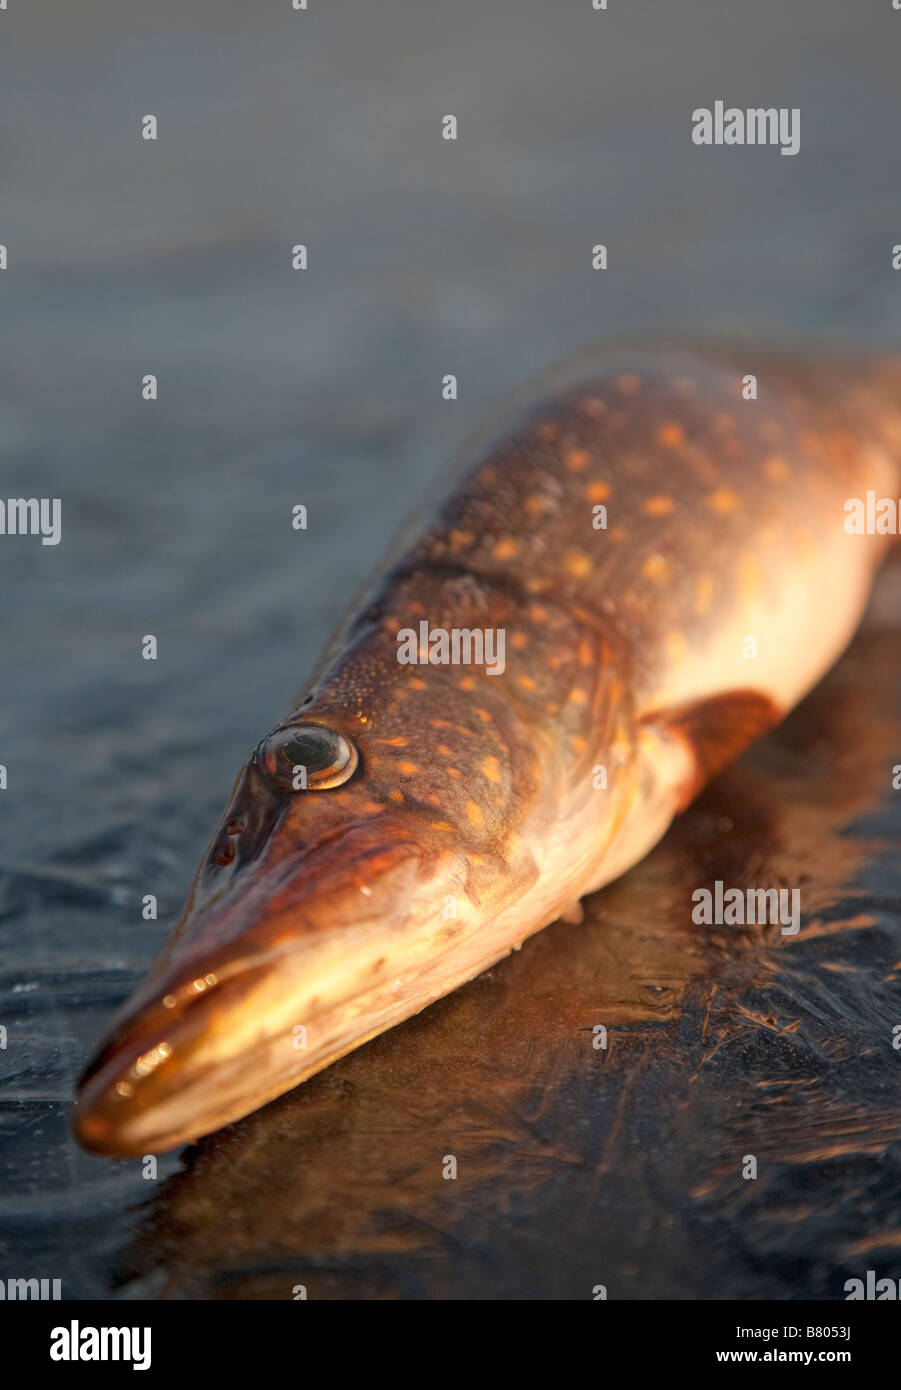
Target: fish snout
{"type": "Point", "coordinates": [138, 1087]}
{"type": "Point", "coordinates": [214, 1033]}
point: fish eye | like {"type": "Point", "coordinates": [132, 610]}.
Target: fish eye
{"type": "Point", "coordinates": [326, 757]}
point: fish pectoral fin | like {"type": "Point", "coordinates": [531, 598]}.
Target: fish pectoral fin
{"type": "Point", "coordinates": [716, 730]}
{"type": "Point", "coordinates": [574, 913]}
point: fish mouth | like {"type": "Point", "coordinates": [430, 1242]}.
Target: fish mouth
{"type": "Point", "coordinates": [167, 1074]}
{"type": "Point", "coordinates": [216, 1033]}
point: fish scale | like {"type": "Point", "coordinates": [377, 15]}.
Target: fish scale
{"type": "Point", "coordinates": [668, 565]}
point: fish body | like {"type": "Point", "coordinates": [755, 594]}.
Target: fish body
{"type": "Point", "coordinates": [663, 564]}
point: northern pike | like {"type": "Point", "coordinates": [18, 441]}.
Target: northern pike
{"type": "Point", "coordinates": [653, 548]}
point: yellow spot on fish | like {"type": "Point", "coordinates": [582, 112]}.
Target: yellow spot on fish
{"type": "Point", "coordinates": [453, 772]}
{"type": "Point", "coordinates": [444, 751]}
{"type": "Point", "coordinates": [474, 813]}
{"type": "Point", "coordinates": [586, 655]}
{"type": "Point", "coordinates": [724, 501]}
{"type": "Point", "coordinates": [547, 430]}
{"type": "Point", "coordinates": [416, 684]}
{"type": "Point", "coordinates": [441, 825]}
{"type": "Point", "coordinates": [676, 646]}
{"type": "Point", "coordinates": [505, 549]}
{"type": "Point", "coordinates": [579, 744]}
{"type": "Point", "coordinates": [459, 540]}
{"type": "Point", "coordinates": [519, 640]}
{"type": "Point", "coordinates": [617, 533]}
{"type": "Point", "coordinates": [577, 696]}
{"type": "Point", "coordinates": [491, 769]}
{"type": "Point", "coordinates": [536, 503]}
{"type": "Point", "coordinates": [577, 460]}
{"type": "Point", "coordinates": [396, 795]}
{"type": "Point", "coordinates": [526, 682]}
{"type": "Point", "coordinates": [654, 567]}
{"type": "Point", "coordinates": [537, 613]}
{"type": "Point", "coordinates": [594, 407]}
{"type": "Point", "coordinates": [483, 714]}
{"type": "Point", "coordinates": [750, 574]}
{"type": "Point", "coordinates": [723, 422]}
{"type": "Point", "coordinates": [659, 505]}
{"type": "Point", "coordinates": [628, 384]}
{"type": "Point", "coordinates": [578, 564]}
{"type": "Point", "coordinates": [703, 594]}
{"type": "Point", "coordinates": [597, 492]}
{"type": "Point", "coordinates": [446, 724]}
{"type": "Point", "coordinates": [407, 768]}
{"type": "Point", "coordinates": [671, 436]}
{"type": "Point", "coordinates": [775, 468]}
{"type": "Point", "coordinates": [467, 683]}
{"type": "Point", "coordinates": [398, 742]}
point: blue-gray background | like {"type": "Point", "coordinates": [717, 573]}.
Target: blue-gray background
{"type": "Point", "coordinates": [426, 257]}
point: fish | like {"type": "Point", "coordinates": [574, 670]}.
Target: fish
{"type": "Point", "coordinates": [654, 539]}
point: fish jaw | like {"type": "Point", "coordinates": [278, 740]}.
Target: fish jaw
{"type": "Point", "coordinates": [311, 968]}
{"type": "Point", "coordinates": [307, 965]}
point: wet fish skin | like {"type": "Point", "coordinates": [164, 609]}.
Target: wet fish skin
{"type": "Point", "coordinates": [319, 918]}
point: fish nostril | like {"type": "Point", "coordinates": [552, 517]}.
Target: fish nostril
{"type": "Point", "coordinates": [225, 855]}
{"type": "Point", "coordinates": [235, 827]}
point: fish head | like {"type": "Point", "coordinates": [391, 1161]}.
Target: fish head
{"type": "Point", "coordinates": [320, 904]}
